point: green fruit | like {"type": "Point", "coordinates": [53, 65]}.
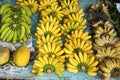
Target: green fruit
{"type": "Point", "coordinates": [4, 55]}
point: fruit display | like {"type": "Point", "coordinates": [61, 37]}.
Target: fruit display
{"type": "Point", "coordinates": [32, 4]}
{"type": "Point", "coordinates": [53, 38]}
{"type": "Point", "coordinates": [21, 56]}
{"type": "Point", "coordinates": [62, 19]}
{"type": "Point", "coordinates": [105, 40]}
{"type": "Point", "coordinates": [4, 55]}
{"type": "Point", "coordinates": [16, 23]}
{"type": "Point", "coordinates": [49, 42]}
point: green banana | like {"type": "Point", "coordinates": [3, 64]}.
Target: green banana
{"type": "Point", "coordinates": [26, 11]}
{"type": "Point", "coordinates": [4, 32]}
{"type": "Point", "coordinates": [7, 35]}
{"type": "Point", "coordinates": [14, 40]}
{"type": "Point", "coordinates": [7, 11]}
{"type": "Point", "coordinates": [8, 20]}
{"type": "Point", "coordinates": [25, 38]}
{"type": "Point", "coordinates": [4, 6]}
{"type": "Point", "coordinates": [26, 19]}
{"type": "Point", "coordinates": [10, 36]}
{"type": "Point", "coordinates": [22, 32]}
{"type": "Point", "coordinates": [27, 27]}
{"type": "Point", "coordinates": [4, 17]}
{"type": "Point", "coordinates": [4, 26]}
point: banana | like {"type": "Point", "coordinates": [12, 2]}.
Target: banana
{"type": "Point", "coordinates": [25, 38]}
{"type": "Point", "coordinates": [73, 70]}
{"type": "Point", "coordinates": [7, 35]}
{"type": "Point", "coordinates": [85, 57]}
{"type": "Point", "coordinates": [60, 53]}
{"type": "Point", "coordinates": [26, 19]}
{"type": "Point", "coordinates": [80, 57]}
{"type": "Point", "coordinates": [55, 61]}
{"type": "Point", "coordinates": [91, 59]}
{"type": "Point", "coordinates": [41, 60]}
{"type": "Point", "coordinates": [7, 11]}
{"type": "Point", "coordinates": [14, 40]}
{"type": "Point", "coordinates": [70, 65]}
{"type": "Point", "coordinates": [92, 73]}
{"type": "Point", "coordinates": [95, 63]}
{"type": "Point", "coordinates": [27, 28]}
{"type": "Point", "coordinates": [45, 59]}
{"type": "Point", "coordinates": [76, 57]}
{"type": "Point", "coordinates": [4, 32]}
{"type": "Point", "coordinates": [22, 32]}
{"type": "Point", "coordinates": [8, 20]}
{"type": "Point", "coordinates": [104, 69]}
{"type": "Point", "coordinates": [4, 26]}
{"type": "Point", "coordinates": [4, 7]}
{"type": "Point", "coordinates": [73, 62]}
{"type": "Point", "coordinates": [4, 17]}
{"type": "Point", "coordinates": [10, 36]}
{"type": "Point", "coordinates": [26, 11]}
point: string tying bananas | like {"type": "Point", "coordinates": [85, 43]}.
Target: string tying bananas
{"type": "Point", "coordinates": [107, 53]}
{"type": "Point", "coordinates": [77, 45]}
{"type": "Point", "coordinates": [16, 23]}
{"type": "Point", "coordinates": [48, 65]}
{"type": "Point", "coordinates": [32, 4]}
{"type": "Point", "coordinates": [78, 34]}
{"type": "Point", "coordinates": [110, 67]}
{"type": "Point", "coordinates": [54, 10]}
{"type": "Point", "coordinates": [44, 4]}
{"type": "Point", "coordinates": [82, 62]}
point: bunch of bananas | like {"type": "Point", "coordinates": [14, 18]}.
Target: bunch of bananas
{"type": "Point", "coordinates": [49, 44]}
{"type": "Point", "coordinates": [32, 4]}
{"type": "Point", "coordinates": [77, 46]}
{"type": "Point", "coordinates": [15, 23]}
{"type": "Point", "coordinates": [110, 67]}
{"type": "Point", "coordinates": [106, 42]}
{"type": "Point", "coordinates": [82, 62]}
{"type": "Point", "coordinates": [47, 64]}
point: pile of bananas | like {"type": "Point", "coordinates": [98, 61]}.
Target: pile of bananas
{"type": "Point", "coordinates": [32, 4]}
{"type": "Point", "coordinates": [106, 42]}
{"type": "Point", "coordinates": [61, 38]}
{"type": "Point", "coordinates": [49, 44]}
{"type": "Point", "coordinates": [15, 23]}
{"type": "Point", "coordinates": [77, 46]}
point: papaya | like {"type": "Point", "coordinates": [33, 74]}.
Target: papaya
{"type": "Point", "coordinates": [21, 56]}
{"type": "Point", "coordinates": [4, 55]}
